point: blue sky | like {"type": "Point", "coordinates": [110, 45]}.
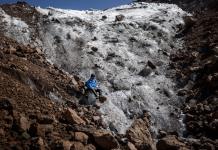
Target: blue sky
{"type": "Point", "coordinates": [74, 4]}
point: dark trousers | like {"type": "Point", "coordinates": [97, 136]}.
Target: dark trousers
{"type": "Point", "coordinates": [95, 91]}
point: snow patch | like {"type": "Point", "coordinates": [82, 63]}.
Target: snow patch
{"type": "Point", "coordinates": [16, 28]}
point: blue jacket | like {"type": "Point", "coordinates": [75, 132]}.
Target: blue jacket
{"type": "Point", "coordinates": [91, 84]}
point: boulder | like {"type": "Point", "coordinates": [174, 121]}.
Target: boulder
{"type": "Point", "coordinates": [102, 99]}
{"type": "Point", "coordinates": [72, 117]}
{"type": "Point", "coordinates": [89, 147]}
{"type": "Point", "coordinates": [81, 137]}
{"type": "Point", "coordinates": [95, 49]}
{"type": "Point", "coordinates": [40, 129]}
{"type": "Point", "coordinates": [131, 146]}
{"type": "Point", "coordinates": [103, 17]}
{"type": "Point", "coordinates": [145, 72]}
{"type": "Point", "coordinates": [140, 136]}
{"type": "Point", "coordinates": [105, 139]}
{"type": "Point", "coordinates": [67, 145]}
{"type": "Point", "coordinates": [24, 123]}
{"type": "Point", "coordinates": [151, 65]}
{"type": "Point", "coordinates": [77, 146]}
{"type": "Point", "coordinates": [119, 17]}
{"type": "Point", "coordinates": [170, 142]}
{"type": "Point", "coordinates": [41, 144]}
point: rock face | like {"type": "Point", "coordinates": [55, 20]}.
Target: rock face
{"type": "Point", "coordinates": [140, 136]}
{"type": "Point", "coordinates": [190, 5]}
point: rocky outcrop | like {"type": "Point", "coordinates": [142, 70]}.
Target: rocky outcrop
{"type": "Point", "coordinates": [197, 77]}
{"type": "Point", "coordinates": [140, 136]}
{"type": "Point", "coordinates": [190, 5]}
{"type": "Point", "coordinates": [72, 117]}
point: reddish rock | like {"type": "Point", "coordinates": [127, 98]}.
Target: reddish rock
{"type": "Point", "coordinates": [72, 117]}
{"type": "Point", "coordinates": [105, 139]}
{"type": "Point", "coordinates": [67, 145]}
{"type": "Point", "coordinates": [170, 142]}
{"type": "Point", "coordinates": [77, 146]}
{"type": "Point", "coordinates": [89, 147]}
{"type": "Point", "coordinates": [40, 129]}
{"type": "Point", "coordinates": [140, 136]}
{"type": "Point", "coordinates": [81, 137]}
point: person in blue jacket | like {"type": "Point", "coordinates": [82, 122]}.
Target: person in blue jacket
{"type": "Point", "coordinates": [91, 84]}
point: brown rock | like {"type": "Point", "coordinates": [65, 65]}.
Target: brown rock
{"type": "Point", "coordinates": [40, 130]}
{"type": "Point", "coordinates": [24, 123]}
{"type": "Point", "coordinates": [96, 118]}
{"type": "Point", "coordinates": [77, 146]}
{"type": "Point", "coordinates": [41, 144]}
{"type": "Point", "coordinates": [44, 119]}
{"type": "Point", "coordinates": [140, 136]}
{"type": "Point", "coordinates": [72, 117]}
{"type": "Point", "coordinates": [170, 142]}
{"type": "Point", "coordinates": [2, 55]}
{"type": "Point", "coordinates": [67, 145]}
{"type": "Point", "coordinates": [12, 50]}
{"type": "Point", "coordinates": [105, 139]}
{"type": "Point", "coordinates": [2, 132]}
{"type": "Point", "coordinates": [131, 146]}
{"type": "Point", "coordinates": [189, 21]}
{"type": "Point", "coordinates": [81, 137]}
{"type": "Point", "coordinates": [102, 99]}
{"type": "Point", "coordinates": [89, 147]}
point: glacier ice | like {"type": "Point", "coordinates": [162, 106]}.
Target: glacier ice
{"type": "Point", "coordinates": [85, 42]}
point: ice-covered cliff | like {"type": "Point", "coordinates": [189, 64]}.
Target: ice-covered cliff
{"type": "Point", "coordinates": [128, 49]}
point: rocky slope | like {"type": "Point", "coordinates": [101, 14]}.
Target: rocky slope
{"type": "Point", "coordinates": [197, 69]}
{"type": "Point", "coordinates": [39, 100]}
{"type": "Point", "coordinates": [127, 47]}
{"type": "Point", "coordinates": [189, 5]}
{"type": "Point", "coordinates": [39, 108]}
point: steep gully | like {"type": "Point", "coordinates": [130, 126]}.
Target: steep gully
{"type": "Point", "coordinates": [78, 43]}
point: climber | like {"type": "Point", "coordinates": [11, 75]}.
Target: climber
{"type": "Point", "coordinates": [91, 84]}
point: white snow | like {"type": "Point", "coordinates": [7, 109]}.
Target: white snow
{"type": "Point", "coordinates": [85, 42]}
{"type": "Point", "coordinates": [15, 28]}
